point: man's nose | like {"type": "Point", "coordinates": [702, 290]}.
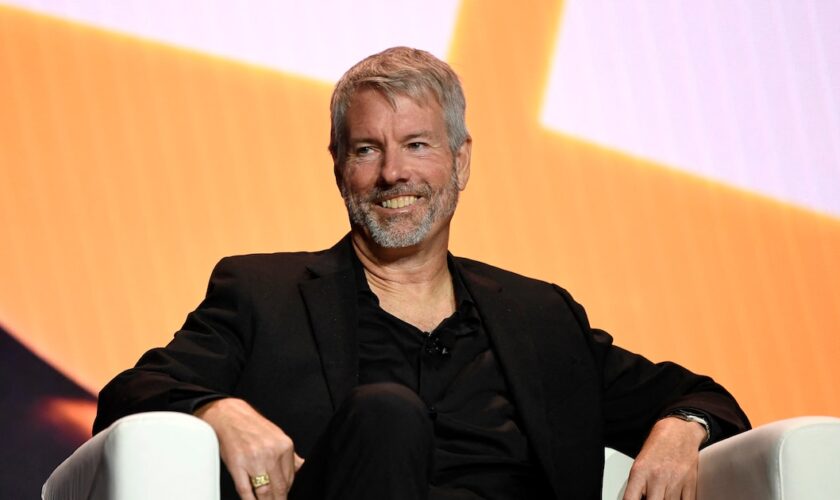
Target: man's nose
{"type": "Point", "coordinates": [394, 168]}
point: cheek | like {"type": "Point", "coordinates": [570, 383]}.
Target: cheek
{"type": "Point", "coordinates": [442, 175]}
{"type": "Point", "coordinates": [357, 178]}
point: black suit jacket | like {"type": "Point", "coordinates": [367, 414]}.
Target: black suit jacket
{"type": "Point", "coordinates": [278, 330]}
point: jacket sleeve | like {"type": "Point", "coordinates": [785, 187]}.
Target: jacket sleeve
{"type": "Point", "coordinates": [637, 392]}
{"type": "Point", "coordinates": [201, 363]}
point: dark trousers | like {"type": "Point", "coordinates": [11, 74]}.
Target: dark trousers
{"type": "Point", "coordinates": [378, 445]}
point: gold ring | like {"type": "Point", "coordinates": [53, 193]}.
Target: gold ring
{"type": "Point", "coordinates": [260, 480]}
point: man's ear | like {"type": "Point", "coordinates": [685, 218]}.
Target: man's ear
{"type": "Point", "coordinates": [337, 172]}
{"type": "Point", "coordinates": [462, 163]}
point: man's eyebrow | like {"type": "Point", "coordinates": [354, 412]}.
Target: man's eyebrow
{"type": "Point", "coordinates": [362, 139]}
{"type": "Point", "coordinates": [420, 134]}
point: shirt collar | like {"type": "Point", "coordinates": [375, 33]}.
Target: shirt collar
{"type": "Point", "coordinates": [463, 299]}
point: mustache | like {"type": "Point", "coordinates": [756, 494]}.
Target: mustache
{"type": "Point", "coordinates": [379, 193]}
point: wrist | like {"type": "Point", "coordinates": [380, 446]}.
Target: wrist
{"type": "Point", "coordinates": [210, 406]}
{"type": "Point", "coordinates": [691, 416]}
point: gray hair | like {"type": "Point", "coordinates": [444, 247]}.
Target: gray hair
{"type": "Point", "coordinates": [400, 71]}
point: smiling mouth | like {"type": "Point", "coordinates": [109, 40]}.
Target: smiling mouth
{"type": "Point", "coordinates": [399, 202]}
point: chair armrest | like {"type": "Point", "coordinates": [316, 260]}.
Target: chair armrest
{"type": "Point", "coordinates": [794, 459]}
{"type": "Point", "coordinates": [142, 456]}
{"type": "Point", "coordinates": [616, 470]}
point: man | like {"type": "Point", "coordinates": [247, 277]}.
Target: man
{"type": "Point", "coordinates": [399, 371]}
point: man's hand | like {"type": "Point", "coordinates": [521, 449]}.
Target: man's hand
{"type": "Point", "coordinates": [251, 445]}
{"type": "Point", "coordinates": [666, 468]}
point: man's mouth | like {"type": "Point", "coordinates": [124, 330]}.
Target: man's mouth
{"type": "Point", "coordinates": [399, 202]}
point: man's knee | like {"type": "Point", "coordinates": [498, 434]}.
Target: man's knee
{"type": "Point", "coordinates": [387, 398]}
{"type": "Point", "coordinates": [380, 444]}
{"type": "Point", "coordinates": [385, 404]}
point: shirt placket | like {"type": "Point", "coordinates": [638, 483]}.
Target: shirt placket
{"type": "Point", "coordinates": [429, 373]}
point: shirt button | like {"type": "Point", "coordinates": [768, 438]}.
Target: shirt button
{"type": "Point", "coordinates": [432, 412]}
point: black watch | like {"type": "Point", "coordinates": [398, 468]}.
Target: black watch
{"type": "Point", "coordinates": [693, 416]}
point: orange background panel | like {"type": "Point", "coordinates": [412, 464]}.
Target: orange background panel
{"type": "Point", "coordinates": [129, 168]}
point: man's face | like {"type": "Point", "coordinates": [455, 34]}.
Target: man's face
{"type": "Point", "coordinates": [399, 179]}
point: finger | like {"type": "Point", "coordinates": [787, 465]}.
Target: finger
{"type": "Point", "coordinates": [690, 489]}
{"type": "Point", "coordinates": [655, 490]}
{"type": "Point", "coordinates": [298, 462]}
{"type": "Point", "coordinates": [243, 484]}
{"type": "Point", "coordinates": [279, 480]}
{"type": "Point", "coordinates": [283, 473]}
{"type": "Point", "coordinates": [687, 487]}
{"type": "Point", "coordinates": [278, 467]}
{"type": "Point", "coordinates": [265, 492]}
{"type": "Point", "coordinates": [635, 488]}
{"type": "Point", "coordinates": [269, 490]}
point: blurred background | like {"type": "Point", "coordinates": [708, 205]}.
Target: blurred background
{"type": "Point", "coordinates": [675, 165]}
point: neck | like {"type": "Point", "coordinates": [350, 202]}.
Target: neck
{"type": "Point", "coordinates": [418, 266]}
{"type": "Point", "coordinates": [411, 283]}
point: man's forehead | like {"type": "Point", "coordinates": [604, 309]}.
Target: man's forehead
{"type": "Point", "coordinates": [373, 109]}
{"type": "Point", "coordinates": [423, 98]}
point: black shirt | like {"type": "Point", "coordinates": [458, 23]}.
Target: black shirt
{"type": "Point", "coordinates": [480, 449]}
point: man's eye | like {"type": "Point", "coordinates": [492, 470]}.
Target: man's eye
{"type": "Point", "coordinates": [417, 146]}
{"type": "Point", "coordinates": [364, 150]}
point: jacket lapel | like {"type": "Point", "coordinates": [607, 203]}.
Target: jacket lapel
{"type": "Point", "coordinates": [505, 318]}
{"type": "Point", "coordinates": [330, 299]}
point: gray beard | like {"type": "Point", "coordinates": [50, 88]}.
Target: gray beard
{"type": "Point", "coordinates": [387, 233]}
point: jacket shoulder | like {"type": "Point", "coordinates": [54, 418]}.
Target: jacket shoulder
{"type": "Point", "coordinates": [265, 261]}
{"type": "Point", "coordinates": [266, 269]}
{"type": "Point", "coordinates": [503, 277]}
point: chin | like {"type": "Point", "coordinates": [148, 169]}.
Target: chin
{"type": "Point", "coordinates": [397, 240]}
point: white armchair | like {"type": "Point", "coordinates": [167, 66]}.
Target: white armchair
{"type": "Point", "coordinates": [160, 455]}
{"type": "Point", "coordinates": [794, 459]}
{"type": "Point", "coordinates": [155, 455]}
